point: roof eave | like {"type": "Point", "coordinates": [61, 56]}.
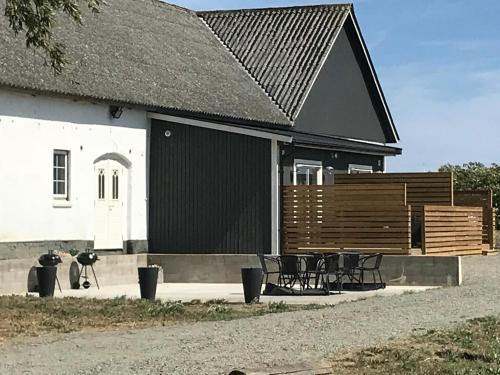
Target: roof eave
{"type": "Point", "coordinates": [390, 119]}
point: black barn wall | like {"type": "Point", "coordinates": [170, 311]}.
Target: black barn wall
{"type": "Point", "coordinates": [209, 192]}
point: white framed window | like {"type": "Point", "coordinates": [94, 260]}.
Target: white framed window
{"type": "Point", "coordinates": [307, 172]}
{"type": "Point", "coordinates": [60, 183]}
{"type": "Point", "coordinates": [357, 169]}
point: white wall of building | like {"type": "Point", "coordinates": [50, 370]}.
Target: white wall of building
{"type": "Point", "coordinates": [31, 128]}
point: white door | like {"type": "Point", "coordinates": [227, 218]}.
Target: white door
{"type": "Point", "coordinates": [110, 182]}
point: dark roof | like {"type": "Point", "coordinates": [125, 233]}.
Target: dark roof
{"type": "Point", "coordinates": [282, 48]}
{"type": "Point", "coordinates": [334, 142]}
{"type": "Point", "coordinates": [142, 52]}
{"type": "Point", "coordinates": [343, 144]}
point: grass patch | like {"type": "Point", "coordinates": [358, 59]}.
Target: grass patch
{"type": "Point", "coordinates": [471, 349]}
{"type": "Point", "coordinates": [32, 316]}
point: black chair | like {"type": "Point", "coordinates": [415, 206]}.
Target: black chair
{"type": "Point", "coordinates": [274, 262]}
{"type": "Point", "coordinates": [291, 271]}
{"type": "Point", "coordinates": [330, 266]}
{"type": "Point", "coordinates": [370, 263]}
{"type": "Point", "coordinates": [313, 270]}
{"type": "Point", "coordinates": [350, 264]}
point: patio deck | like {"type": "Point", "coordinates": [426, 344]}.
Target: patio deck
{"type": "Point", "coordinates": [232, 293]}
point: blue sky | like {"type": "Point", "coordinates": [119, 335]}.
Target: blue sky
{"type": "Point", "coordinates": [439, 65]}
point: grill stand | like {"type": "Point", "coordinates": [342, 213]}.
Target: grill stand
{"type": "Point", "coordinates": [84, 267]}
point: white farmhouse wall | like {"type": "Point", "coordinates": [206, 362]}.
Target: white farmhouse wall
{"type": "Point", "coordinates": [31, 128]}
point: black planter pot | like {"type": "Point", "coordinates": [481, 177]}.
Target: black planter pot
{"type": "Point", "coordinates": [252, 284]}
{"type": "Point", "coordinates": [148, 279]}
{"type": "Point", "coordinates": [46, 280]}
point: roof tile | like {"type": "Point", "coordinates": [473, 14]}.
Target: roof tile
{"type": "Point", "coordinates": [282, 48]}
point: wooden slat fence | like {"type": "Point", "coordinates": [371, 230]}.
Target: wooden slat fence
{"type": "Point", "coordinates": [484, 199]}
{"type": "Point", "coordinates": [452, 230]}
{"type": "Point", "coordinates": [371, 217]}
{"type": "Point", "coordinates": [432, 188]}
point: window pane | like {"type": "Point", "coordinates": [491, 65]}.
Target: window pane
{"type": "Point", "coordinates": [115, 184]}
{"type": "Point", "coordinates": [60, 174]}
{"type": "Point", "coordinates": [313, 176]}
{"type": "Point", "coordinates": [301, 176]}
{"type": "Point", "coordinates": [100, 184]}
{"type": "Point", "coordinates": [59, 160]}
{"type": "Point", "coordinates": [59, 188]}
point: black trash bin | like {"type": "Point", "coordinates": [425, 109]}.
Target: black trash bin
{"type": "Point", "coordinates": [252, 283]}
{"type": "Point", "coordinates": [46, 280]}
{"type": "Point", "coordinates": [148, 279]}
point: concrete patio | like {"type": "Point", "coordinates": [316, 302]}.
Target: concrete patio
{"type": "Point", "coordinates": [229, 292]}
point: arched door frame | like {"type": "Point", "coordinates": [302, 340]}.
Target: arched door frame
{"type": "Point", "coordinates": [127, 164]}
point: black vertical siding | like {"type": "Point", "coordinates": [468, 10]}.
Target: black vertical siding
{"type": "Point", "coordinates": [210, 191]}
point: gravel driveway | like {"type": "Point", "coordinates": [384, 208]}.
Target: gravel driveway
{"type": "Point", "coordinates": [273, 340]}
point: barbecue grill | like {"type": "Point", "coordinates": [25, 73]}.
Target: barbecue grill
{"type": "Point", "coordinates": [51, 259]}
{"type": "Point", "coordinates": [87, 259]}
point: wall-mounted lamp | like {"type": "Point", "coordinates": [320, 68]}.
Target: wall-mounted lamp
{"type": "Point", "coordinates": [168, 134]}
{"type": "Point", "coordinates": [115, 111]}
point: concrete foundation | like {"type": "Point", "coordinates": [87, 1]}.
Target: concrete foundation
{"type": "Point", "coordinates": [396, 270]}
{"type": "Point", "coordinates": [19, 275]}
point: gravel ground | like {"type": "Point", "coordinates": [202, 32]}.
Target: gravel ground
{"type": "Point", "coordinates": [273, 340]}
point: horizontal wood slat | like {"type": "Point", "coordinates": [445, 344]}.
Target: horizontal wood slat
{"type": "Point", "coordinates": [452, 230]}
{"type": "Point", "coordinates": [362, 217]}
{"type": "Point", "coordinates": [421, 188]}
{"type": "Point", "coordinates": [484, 199]}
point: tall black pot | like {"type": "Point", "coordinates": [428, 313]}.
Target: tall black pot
{"type": "Point", "coordinates": [46, 280]}
{"type": "Point", "coordinates": [148, 279]}
{"type": "Point", "coordinates": [252, 284]}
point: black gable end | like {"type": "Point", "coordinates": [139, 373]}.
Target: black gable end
{"type": "Point", "coordinates": [370, 75]}
{"type": "Point", "coordinates": [344, 99]}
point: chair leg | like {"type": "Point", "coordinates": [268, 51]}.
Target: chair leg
{"type": "Point", "coordinates": [381, 281]}
{"type": "Point", "coordinates": [327, 285]}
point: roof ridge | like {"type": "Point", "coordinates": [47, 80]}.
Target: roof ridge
{"type": "Point", "coordinates": [162, 3]}
{"type": "Point", "coordinates": [277, 9]}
